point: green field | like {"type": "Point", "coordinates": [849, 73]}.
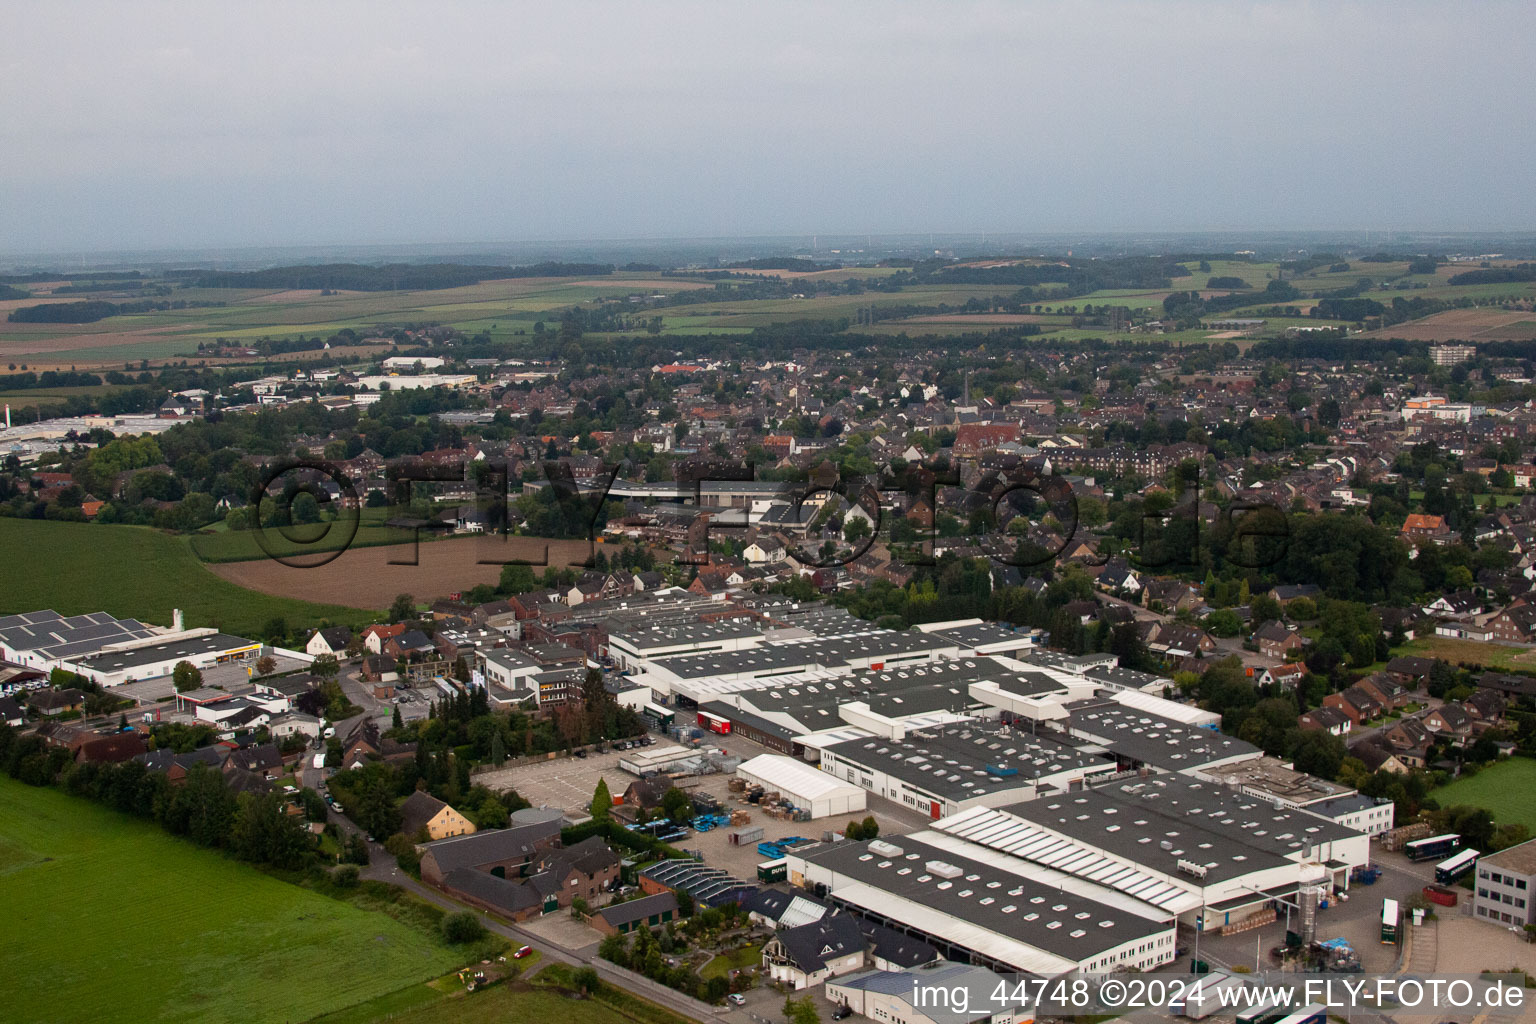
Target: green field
{"type": "Point", "coordinates": [109, 919]}
{"type": "Point", "coordinates": [218, 544]}
{"type": "Point", "coordinates": [1507, 790]}
{"type": "Point", "coordinates": [136, 572]}
{"type": "Point", "coordinates": [503, 1004]}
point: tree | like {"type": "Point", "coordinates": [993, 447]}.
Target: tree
{"type": "Point", "coordinates": [677, 805]}
{"type": "Point", "coordinates": [314, 806]}
{"type": "Point", "coordinates": [265, 665]}
{"type": "Point", "coordinates": [602, 801]}
{"type": "Point", "coordinates": [395, 721]}
{"type": "Point", "coordinates": [403, 607]}
{"type": "Point", "coordinates": [325, 667]}
{"type": "Point", "coordinates": [801, 1011]}
{"type": "Point", "coordinates": [585, 979]}
{"type": "Point", "coordinates": [461, 927]}
{"type": "Point", "coordinates": [870, 828]}
{"type": "Point", "coordinates": [356, 849]}
{"type": "Point", "coordinates": [186, 676]}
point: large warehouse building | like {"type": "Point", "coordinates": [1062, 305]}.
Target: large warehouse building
{"type": "Point", "coordinates": [1093, 880]}
{"type": "Point", "coordinates": [803, 786]}
{"type": "Point", "coordinates": [971, 764]}
{"type": "Point", "coordinates": [1209, 852]}
{"type": "Point", "coordinates": [987, 910]}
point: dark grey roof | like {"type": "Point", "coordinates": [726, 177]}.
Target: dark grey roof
{"type": "Point", "coordinates": [1231, 832]}
{"type": "Point", "coordinates": [183, 647]}
{"type": "Point", "coordinates": [54, 636]}
{"type": "Point", "coordinates": [897, 947]}
{"type": "Point", "coordinates": [490, 846]}
{"type": "Point", "coordinates": [1035, 913]}
{"type": "Point", "coordinates": [810, 946]}
{"type": "Point", "coordinates": [639, 910]}
{"type": "Point", "coordinates": [1153, 740]}
{"type": "Point", "coordinates": [491, 890]}
{"type": "Point", "coordinates": [965, 761]}
{"type": "Point", "coordinates": [418, 809]}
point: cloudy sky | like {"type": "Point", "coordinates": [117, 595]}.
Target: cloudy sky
{"type": "Point", "coordinates": [142, 125]}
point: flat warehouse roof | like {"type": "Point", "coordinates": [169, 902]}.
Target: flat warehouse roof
{"type": "Point", "coordinates": [1058, 929]}
{"type": "Point", "coordinates": [828, 652]}
{"type": "Point", "coordinates": [967, 761]}
{"type": "Point", "coordinates": [1008, 834]}
{"type": "Point", "coordinates": [1158, 822]}
{"type": "Point", "coordinates": [1153, 739]}
{"type": "Point", "coordinates": [214, 643]}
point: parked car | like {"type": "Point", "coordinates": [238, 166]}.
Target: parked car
{"type": "Point", "coordinates": [842, 1012]}
{"type": "Point", "coordinates": [522, 952]}
{"type": "Point", "coordinates": [737, 999]}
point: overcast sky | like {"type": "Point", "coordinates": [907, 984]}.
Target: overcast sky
{"type": "Point", "coordinates": [142, 125]}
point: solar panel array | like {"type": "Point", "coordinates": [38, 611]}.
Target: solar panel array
{"type": "Point", "coordinates": [54, 637]}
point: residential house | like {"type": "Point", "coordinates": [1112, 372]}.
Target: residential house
{"type": "Point", "coordinates": [110, 748]}
{"type": "Point", "coordinates": [1276, 641]}
{"type": "Point", "coordinates": [1461, 604]}
{"type": "Point", "coordinates": [375, 636]}
{"type": "Point", "coordinates": [1450, 719]}
{"type": "Point", "coordinates": [1377, 758]}
{"type": "Point", "coordinates": [1333, 721]}
{"type": "Point", "coordinates": [423, 812]}
{"type": "Point", "coordinates": [332, 640]}
{"type": "Point", "coordinates": [1412, 672]}
{"type": "Point", "coordinates": [1355, 702]}
{"type": "Point", "coordinates": [1117, 575]}
{"type": "Point", "coordinates": [56, 701]}
{"type": "Point", "coordinates": [1426, 527]}
{"type": "Point", "coordinates": [1515, 624]}
{"type": "Point", "coordinates": [511, 851]}
{"type": "Point", "coordinates": [1409, 739]}
{"type": "Point", "coordinates": [811, 953]}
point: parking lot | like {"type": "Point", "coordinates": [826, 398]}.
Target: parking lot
{"type": "Point", "coordinates": [564, 782]}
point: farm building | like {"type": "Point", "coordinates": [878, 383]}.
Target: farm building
{"type": "Point", "coordinates": [801, 785]}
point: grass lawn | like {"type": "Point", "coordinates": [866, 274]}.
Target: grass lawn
{"type": "Point", "coordinates": [722, 965]}
{"type": "Point", "coordinates": [1492, 656]}
{"type": "Point", "coordinates": [137, 572]}
{"type": "Point", "coordinates": [1507, 790]}
{"type": "Point", "coordinates": [220, 544]}
{"type": "Point", "coordinates": [110, 919]}
{"type": "Point", "coordinates": [503, 1003]}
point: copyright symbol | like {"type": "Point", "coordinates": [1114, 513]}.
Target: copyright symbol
{"type": "Point", "coordinates": [309, 477]}
{"type": "Point", "coordinates": [1112, 992]}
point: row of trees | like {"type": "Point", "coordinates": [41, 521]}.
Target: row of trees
{"type": "Point", "coordinates": [254, 827]}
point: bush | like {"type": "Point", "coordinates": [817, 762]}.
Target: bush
{"type": "Point", "coordinates": [461, 927]}
{"type": "Point", "coordinates": [345, 877]}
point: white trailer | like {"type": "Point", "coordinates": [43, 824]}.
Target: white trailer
{"type": "Point", "coordinates": [1200, 998]}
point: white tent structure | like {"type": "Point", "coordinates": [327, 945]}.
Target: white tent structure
{"type": "Point", "coordinates": [802, 785]}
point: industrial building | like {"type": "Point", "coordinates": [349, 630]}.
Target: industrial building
{"type": "Point", "coordinates": [887, 996]}
{"type": "Point", "coordinates": [154, 657]}
{"type": "Point", "coordinates": [802, 786]}
{"type": "Point", "coordinates": [948, 770]}
{"type": "Point", "coordinates": [46, 640]}
{"type": "Point", "coordinates": [1207, 852]}
{"type": "Point", "coordinates": [991, 911]}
